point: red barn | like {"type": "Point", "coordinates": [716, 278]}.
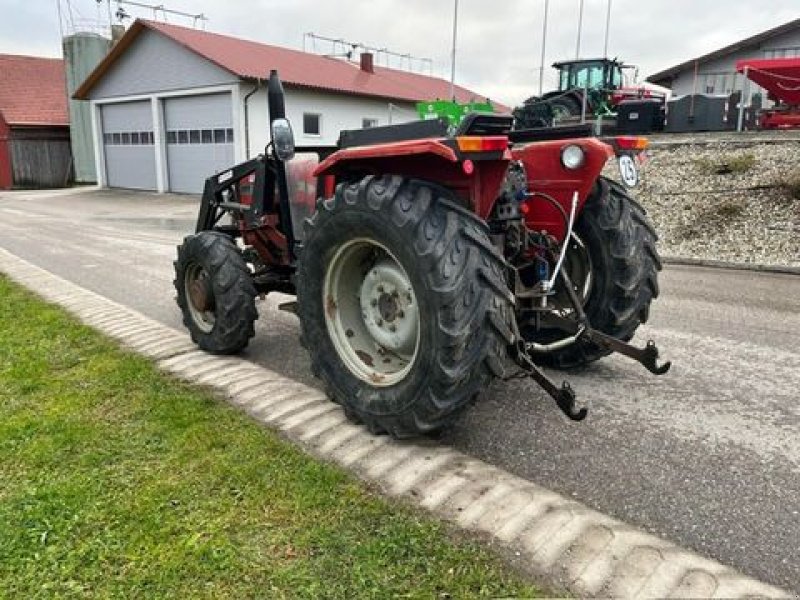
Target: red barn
{"type": "Point", "coordinates": [34, 123]}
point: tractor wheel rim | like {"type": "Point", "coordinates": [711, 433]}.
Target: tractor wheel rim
{"type": "Point", "coordinates": [200, 296]}
{"type": "Point", "coordinates": [371, 312]}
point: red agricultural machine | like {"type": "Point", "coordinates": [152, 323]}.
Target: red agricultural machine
{"type": "Point", "coordinates": [781, 78]}
{"type": "Point", "coordinates": [426, 265]}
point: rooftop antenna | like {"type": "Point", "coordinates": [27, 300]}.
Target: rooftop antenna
{"type": "Point", "coordinates": [349, 49]}
{"type": "Point", "coordinates": [122, 14]}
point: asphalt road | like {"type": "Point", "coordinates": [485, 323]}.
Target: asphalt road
{"type": "Point", "coordinates": [707, 455]}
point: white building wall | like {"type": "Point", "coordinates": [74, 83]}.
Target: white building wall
{"type": "Point", "coordinates": [337, 111]}
{"type": "Point", "coordinates": [721, 72]}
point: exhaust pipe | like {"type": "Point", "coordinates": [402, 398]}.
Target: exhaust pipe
{"type": "Point", "coordinates": [277, 110]}
{"type": "Point", "coordinates": [275, 97]}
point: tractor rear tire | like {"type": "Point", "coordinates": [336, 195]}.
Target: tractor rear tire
{"type": "Point", "coordinates": [389, 256]}
{"type": "Point", "coordinates": [564, 107]}
{"type": "Point", "coordinates": [215, 292]}
{"type": "Point", "coordinates": [621, 244]}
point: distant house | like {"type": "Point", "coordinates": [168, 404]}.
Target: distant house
{"type": "Point", "coordinates": [173, 105]}
{"type": "Point", "coordinates": [715, 72]}
{"type": "Point", "coordinates": [34, 123]}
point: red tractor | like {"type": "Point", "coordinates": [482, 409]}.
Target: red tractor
{"type": "Point", "coordinates": [426, 265]}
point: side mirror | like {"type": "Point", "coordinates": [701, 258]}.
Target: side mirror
{"type": "Point", "coordinates": [282, 139]}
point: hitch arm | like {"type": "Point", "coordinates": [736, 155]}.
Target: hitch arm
{"type": "Point", "coordinates": [564, 396]}
{"type": "Point", "coordinates": [647, 356]}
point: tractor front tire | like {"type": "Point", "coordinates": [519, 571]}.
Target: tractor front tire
{"type": "Point", "coordinates": [620, 244]}
{"type": "Point", "coordinates": [403, 304]}
{"type": "Point", "coordinates": [215, 292]}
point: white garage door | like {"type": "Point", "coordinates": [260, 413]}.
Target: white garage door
{"type": "Point", "coordinates": [199, 139]}
{"type": "Point", "coordinates": [128, 145]}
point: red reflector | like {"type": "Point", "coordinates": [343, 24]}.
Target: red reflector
{"type": "Point", "coordinates": [524, 208]}
{"type": "Point", "coordinates": [468, 166]}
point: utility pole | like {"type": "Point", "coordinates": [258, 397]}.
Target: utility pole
{"type": "Point", "coordinates": [453, 56]}
{"type": "Point", "coordinates": [608, 25]}
{"type": "Point", "coordinates": [580, 26]}
{"type": "Point", "coordinates": [544, 45]}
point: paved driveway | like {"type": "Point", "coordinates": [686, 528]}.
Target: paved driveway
{"type": "Point", "coordinates": [707, 456]}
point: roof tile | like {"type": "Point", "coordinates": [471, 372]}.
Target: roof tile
{"type": "Point", "coordinates": [33, 90]}
{"type": "Point", "coordinates": [253, 60]}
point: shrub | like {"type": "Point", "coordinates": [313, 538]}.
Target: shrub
{"type": "Point", "coordinates": [727, 164]}
{"type": "Point", "coordinates": [790, 183]}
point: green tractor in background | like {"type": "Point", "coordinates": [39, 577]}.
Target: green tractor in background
{"type": "Point", "coordinates": [603, 81]}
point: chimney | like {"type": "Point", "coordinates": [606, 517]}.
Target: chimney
{"type": "Point", "coordinates": [366, 62]}
{"type": "Point", "coordinates": [117, 31]}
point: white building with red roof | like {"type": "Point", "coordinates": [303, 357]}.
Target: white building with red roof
{"type": "Point", "coordinates": [172, 105]}
{"type": "Point", "coordinates": [34, 122]}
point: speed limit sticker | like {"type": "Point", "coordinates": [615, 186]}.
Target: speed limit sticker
{"type": "Point", "coordinates": [628, 171]}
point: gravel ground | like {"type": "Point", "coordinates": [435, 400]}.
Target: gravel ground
{"type": "Point", "coordinates": [724, 200]}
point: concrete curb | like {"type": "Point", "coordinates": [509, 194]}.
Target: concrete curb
{"type": "Point", "coordinates": [567, 545]}
{"type": "Point", "coordinates": [721, 264]}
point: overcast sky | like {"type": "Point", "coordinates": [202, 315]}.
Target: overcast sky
{"type": "Point", "coordinates": [499, 42]}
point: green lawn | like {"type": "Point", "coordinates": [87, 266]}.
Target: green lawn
{"type": "Point", "coordinates": [116, 481]}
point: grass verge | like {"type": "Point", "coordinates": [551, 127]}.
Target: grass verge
{"type": "Point", "coordinates": [117, 481]}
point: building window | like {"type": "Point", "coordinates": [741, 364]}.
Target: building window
{"type": "Point", "coordinates": [787, 52]}
{"type": "Point", "coordinates": [128, 138]}
{"type": "Point", "coordinates": [198, 136]}
{"type": "Point", "coordinates": [716, 83]}
{"type": "Point", "coordinates": [368, 123]}
{"type": "Point", "coordinates": [312, 124]}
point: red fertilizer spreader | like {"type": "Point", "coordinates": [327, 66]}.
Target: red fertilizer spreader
{"type": "Point", "coordinates": [781, 78]}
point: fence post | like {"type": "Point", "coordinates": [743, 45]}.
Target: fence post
{"type": "Point", "coordinates": [745, 87]}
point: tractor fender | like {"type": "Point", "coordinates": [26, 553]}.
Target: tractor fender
{"type": "Point", "coordinates": [547, 175]}
{"type": "Point", "coordinates": [345, 159]}
{"type": "Point", "coordinates": [475, 179]}
{"type": "Point", "coordinates": [575, 94]}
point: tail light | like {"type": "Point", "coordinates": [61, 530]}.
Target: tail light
{"type": "Point", "coordinates": [631, 142]}
{"type": "Point", "coordinates": [474, 143]}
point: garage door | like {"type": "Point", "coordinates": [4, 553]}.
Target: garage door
{"type": "Point", "coordinates": [128, 145]}
{"type": "Point", "coordinates": [199, 139]}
